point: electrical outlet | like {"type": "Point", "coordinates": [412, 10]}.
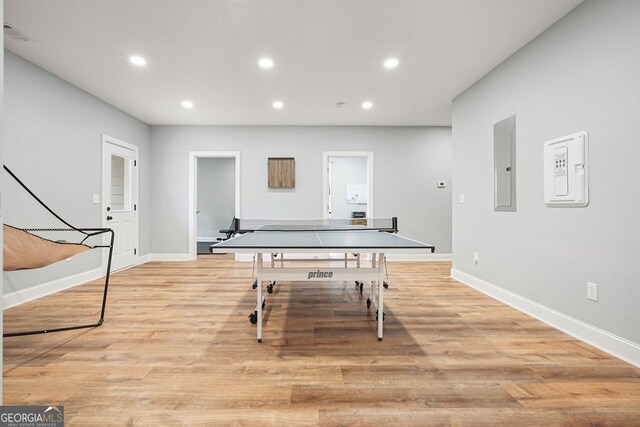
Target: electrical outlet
{"type": "Point", "coordinates": [592, 291]}
{"type": "Point", "coordinates": [461, 198]}
{"type": "Point", "coordinates": [96, 198]}
{"type": "Point", "coordinates": [476, 258]}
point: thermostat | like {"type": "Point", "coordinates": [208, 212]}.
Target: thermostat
{"type": "Point", "coordinates": [566, 181]}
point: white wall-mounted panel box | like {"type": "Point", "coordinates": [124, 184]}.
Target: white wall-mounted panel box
{"type": "Point", "coordinates": [566, 180]}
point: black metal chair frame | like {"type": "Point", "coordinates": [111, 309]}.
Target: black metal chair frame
{"type": "Point", "coordinates": [229, 232]}
{"type": "Point", "coordinates": [88, 233]}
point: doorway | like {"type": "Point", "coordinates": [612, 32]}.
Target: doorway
{"type": "Point", "coordinates": [348, 184]}
{"type": "Point", "coordinates": [119, 199]}
{"type": "Point", "coordinates": [215, 200]}
{"type": "Point", "coordinates": [214, 197]}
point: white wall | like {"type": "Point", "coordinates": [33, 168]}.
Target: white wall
{"type": "Point", "coordinates": [583, 73]}
{"type": "Point", "coordinates": [216, 196]}
{"type": "Point", "coordinates": [346, 171]}
{"type": "Point", "coordinates": [407, 163]}
{"type": "Point", "coordinates": [53, 142]}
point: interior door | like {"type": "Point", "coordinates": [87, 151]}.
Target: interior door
{"type": "Point", "coordinates": [120, 203]}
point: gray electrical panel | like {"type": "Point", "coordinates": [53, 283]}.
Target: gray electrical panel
{"type": "Point", "coordinates": [504, 164]}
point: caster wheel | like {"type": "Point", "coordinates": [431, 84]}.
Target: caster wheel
{"type": "Point", "coordinates": [253, 318]}
{"type": "Point", "coordinates": [357, 283]}
{"type": "Point", "coordinates": [260, 339]}
{"type": "Point", "coordinates": [270, 288]}
{"type": "Point", "coordinates": [379, 339]}
{"type": "Point", "coordinates": [361, 287]}
{"type": "Point", "coordinates": [385, 285]}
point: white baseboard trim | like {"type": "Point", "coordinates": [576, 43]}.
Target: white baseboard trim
{"type": "Point", "coordinates": [169, 257]}
{"type": "Point", "coordinates": [16, 298]}
{"type": "Point", "coordinates": [418, 257]}
{"type": "Point", "coordinates": [208, 239]}
{"type": "Point", "coordinates": [143, 259]}
{"type": "Point", "coordinates": [619, 347]}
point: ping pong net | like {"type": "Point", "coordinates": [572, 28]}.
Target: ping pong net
{"type": "Point", "coordinates": [389, 225]}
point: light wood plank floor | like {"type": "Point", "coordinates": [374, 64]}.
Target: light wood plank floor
{"type": "Point", "coordinates": [177, 349]}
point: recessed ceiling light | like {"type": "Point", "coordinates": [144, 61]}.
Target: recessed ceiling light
{"type": "Point", "coordinates": [187, 104]}
{"type": "Point", "coordinates": [391, 63]}
{"type": "Point", "coordinates": [278, 105]}
{"type": "Point", "coordinates": [265, 63]}
{"type": "Point", "coordinates": [138, 60]}
{"type": "Point", "coordinates": [367, 105]}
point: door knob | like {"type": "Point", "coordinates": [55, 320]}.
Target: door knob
{"type": "Point", "coordinates": [109, 218]}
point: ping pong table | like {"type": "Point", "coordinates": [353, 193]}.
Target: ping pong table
{"type": "Point", "coordinates": [376, 236]}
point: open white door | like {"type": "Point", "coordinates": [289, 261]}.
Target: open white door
{"type": "Point", "coordinates": [119, 200]}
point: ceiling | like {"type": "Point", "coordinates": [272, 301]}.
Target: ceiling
{"type": "Point", "coordinates": [206, 51]}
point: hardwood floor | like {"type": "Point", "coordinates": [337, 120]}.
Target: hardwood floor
{"type": "Point", "coordinates": [177, 349]}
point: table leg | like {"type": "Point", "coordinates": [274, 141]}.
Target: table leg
{"type": "Point", "coordinates": [259, 297]}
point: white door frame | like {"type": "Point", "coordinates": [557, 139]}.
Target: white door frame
{"type": "Point", "coordinates": [325, 177]}
{"type": "Point", "coordinates": [106, 139]}
{"type": "Point", "coordinates": [193, 190]}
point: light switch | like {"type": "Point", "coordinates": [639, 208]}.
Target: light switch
{"type": "Point", "coordinates": [442, 184]}
{"type": "Point", "coordinates": [592, 291]}
{"type": "Point", "coordinates": [461, 198]}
